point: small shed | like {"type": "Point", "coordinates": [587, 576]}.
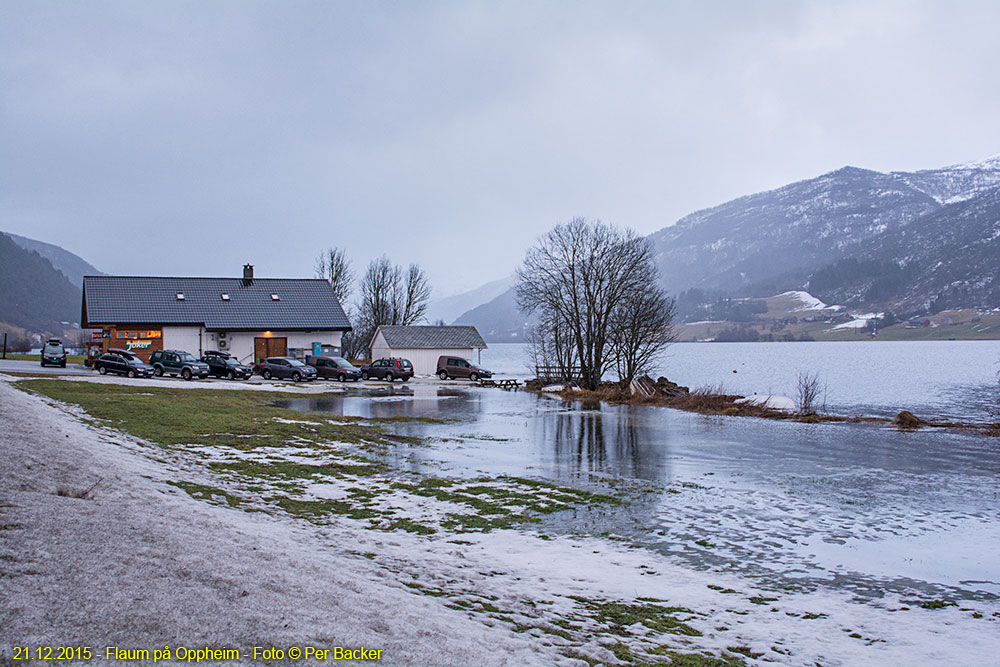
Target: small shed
{"type": "Point", "coordinates": [422, 345]}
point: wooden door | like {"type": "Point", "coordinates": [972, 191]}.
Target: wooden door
{"type": "Point", "coordinates": [269, 347]}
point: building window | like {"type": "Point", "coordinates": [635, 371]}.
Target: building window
{"type": "Point", "coordinates": [180, 296]}
{"type": "Point", "coordinates": [225, 297]}
{"type": "Point", "coordinates": [275, 297]}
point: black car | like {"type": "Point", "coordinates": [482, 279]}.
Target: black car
{"type": "Point", "coordinates": [335, 368]}
{"type": "Point", "coordinates": [388, 369]}
{"type": "Point", "coordinates": [178, 362]}
{"type": "Point", "coordinates": [53, 353]}
{"type": "Point", "coordinates": [122, 362]}
{"type": "Point", "coordinates": [285, 368]}
{"type": "Point", "coordinates": [224, 365]}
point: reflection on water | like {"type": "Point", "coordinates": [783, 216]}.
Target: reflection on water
{"type": "Point", "coordinates": [845, 505]}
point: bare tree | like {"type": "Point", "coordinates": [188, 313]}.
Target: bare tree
{"type": "Point", "coordinates": [809, 389]}
{"type": "Point", "coordinates": [333, 266]}
{"type": "Point", "coordinates": [576, 277]}
{"type": "Point", "coordinates": [642, 328]}
{"type": "Point", "coordinates": [416, 294]}
{"type": "Point", "coordinates": [388, 296]}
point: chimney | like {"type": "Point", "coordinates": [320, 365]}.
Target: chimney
{"type": "Point", "coordinates": [248, 272]}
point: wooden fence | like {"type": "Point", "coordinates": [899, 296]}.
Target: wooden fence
{"type": "Point", "coordinates": [553, 374]}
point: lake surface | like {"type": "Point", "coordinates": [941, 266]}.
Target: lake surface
{"type": "Point", "coordinates": [936, 379]}
{"type": "Point", "coordinates": [857, 507]}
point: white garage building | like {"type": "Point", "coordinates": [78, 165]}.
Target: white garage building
{"type": "Point", "coordinates": [422, 345]}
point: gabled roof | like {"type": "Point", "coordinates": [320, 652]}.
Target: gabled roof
{"type": "Point", "coordinates": [409, 337]}
{"type": "Point", "coordinates": [302, 304]}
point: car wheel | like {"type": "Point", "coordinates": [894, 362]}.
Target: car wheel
{"type": "Point", "coordinates": [474, 376]}
{"type": "Point", "coordinates": [364, 375]}
{"type": "Point", "coordinates": [266, 374]}
{"type": "Point", "coordinates": [405, 378]}
{"type": "Point", "coordinates": [389, 377]}
{"type": "Point", "coordinates": [342, 377]}
{"type": "Point", "coordinates": [296, 376]}
{"type": "Point", "coordinates": [186, 374]}
{"type": "Point", "coordinates": [158, 371]}
{"type": "Point", "coordinates": [231, 375]}
{"type": "Point", "coordinates": [443, 375]}
{"type": "Point", "coordinates": [131, 373]}
{"type": "Point", "coordinates": [63, 364]}
{"type": "Point", "coordinates": [102, 370]}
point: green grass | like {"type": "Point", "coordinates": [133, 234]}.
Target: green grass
{"type": "Point", "coordinates": [70, 358]}
{"type": "Point", "coordinates": [240, 419]}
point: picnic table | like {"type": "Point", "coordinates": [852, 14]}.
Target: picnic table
{"type": "Point", "coordinates": [506, 384]}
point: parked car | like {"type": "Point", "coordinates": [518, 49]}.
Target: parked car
{"type": "Point", "coordinates": [225, 365]}
{"type": "Point", "coordinates": [122, 362]}
{"type": "Point", "coordinates": [456, 367]}
{"type": "Point", "coordinates": [286, 368]}
{"type": "Point", "coordinates": [335, 368]}
{"type": "Point", "coordinates": [388, 369]}
{"type": "Point", "coordinates": [54, 353]}
{"type": "Point", "coordinates": [178, 362]}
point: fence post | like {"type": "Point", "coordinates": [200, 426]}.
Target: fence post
{"type": "Point", "coordinates": [5, 346]}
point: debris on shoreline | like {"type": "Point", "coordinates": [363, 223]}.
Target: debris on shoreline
{"type": "Point", "coordinates": [709, 401]}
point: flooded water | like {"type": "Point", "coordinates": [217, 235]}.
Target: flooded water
{"type": "Point", "coordinates": [860, 507]}
{"type": "Point", "coordinates": [954, 380]}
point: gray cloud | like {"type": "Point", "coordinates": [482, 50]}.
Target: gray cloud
{"type": "Point", "coordinates": [189, 138]}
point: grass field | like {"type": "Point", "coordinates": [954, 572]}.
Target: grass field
{"type": "Point", "coordinates": [72, 358]}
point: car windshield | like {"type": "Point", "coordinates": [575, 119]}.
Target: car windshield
{"type": "Point", "coordinates": [295, 362]}
{"type": "Point", "coordinates": [54, 347]}
{"type": "Point", "coordinates": [404, 363]}
{"type": "Point", "coordinates": [343, 363]}
{"type": "Point", "coordinates": [186, 356]}
{"type": "Point", "coordinates": [232, 362]}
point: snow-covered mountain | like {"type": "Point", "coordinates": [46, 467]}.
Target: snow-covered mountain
{"type": "Point", "coordinates": [905, 240]}
{"type": "Point", "coordinates": [773, 241]}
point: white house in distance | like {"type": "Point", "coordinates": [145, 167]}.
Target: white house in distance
{"type": "Point", "coordinates": [251, 318]}
{"type": "Point", "coordinates": [422, 345]}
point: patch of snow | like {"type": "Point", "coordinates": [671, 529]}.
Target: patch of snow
{"type": "Point", "coordinates": [783, 403]}
{"type": "Point", "coordinates": [809, 302]}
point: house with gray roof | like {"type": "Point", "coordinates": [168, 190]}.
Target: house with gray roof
{"type": "Point", "coordinates": [251, 318]}
{"type": "Point", "coordinates": [422, 345]}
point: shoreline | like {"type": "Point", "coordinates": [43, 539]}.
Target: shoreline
{"type": "Point", "coordinates": [726, 405]}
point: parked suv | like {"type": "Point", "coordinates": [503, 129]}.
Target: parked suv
{"type": "Point", "coordinates": [388, 369]}
{"type": "Point", "coordinates": [456, 367]}
{"type": "Point", "coordinates": [122, 362]}
{"type": "Point", "coordinates": [335, 368]}
{"type": "Point", "coordinates": [53, 353]}
{"type": "Point", "coordinates": [225, 365]}
{"type": "Point", "coordinates": [178, 362]}
{"type": "Point", "coordinates": [285, 368]}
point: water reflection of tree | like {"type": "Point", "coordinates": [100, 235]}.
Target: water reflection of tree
{"type": "Point", "coordinates": [607, 441]}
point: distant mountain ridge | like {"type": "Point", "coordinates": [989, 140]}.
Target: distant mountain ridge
{"type": "Point", "coordinates": [72, 266]}
{"type": "Point", "coordinates": [33, 295]}
{"type": "Point", "coordinates": [910, 241]}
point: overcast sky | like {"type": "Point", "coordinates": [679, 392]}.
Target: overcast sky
{"type": "Point", "coordinates": [188, 138]}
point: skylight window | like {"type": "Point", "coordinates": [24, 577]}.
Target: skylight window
{"type": "Point", "coordinates": [275, 297]}
{"type": "Point", "coordinates": [225, 297]}
{"type": "Point", "coordinates": [180, 296]}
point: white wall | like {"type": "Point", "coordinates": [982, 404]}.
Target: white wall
{"type": "Point", "coordinates": [240, 343]}
{"type": "Point", "coordinates": [425, 360]}
{"type": "Point", "coordinates": [184, 338]}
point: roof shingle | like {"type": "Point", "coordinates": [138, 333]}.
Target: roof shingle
{"type": "Point", "coordinates": [409, 337]}
{"type": "Point", "coordinates": [303, 304]}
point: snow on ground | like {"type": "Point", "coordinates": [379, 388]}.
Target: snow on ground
{"type": "Point", "coordinates": [783, 403]}
{"type": "Point", "coordinates": [144, 564]}
{"type": "Point", "coordinates": [809, 302]}
{"type": "Point", "coordinates": [859, 322]}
